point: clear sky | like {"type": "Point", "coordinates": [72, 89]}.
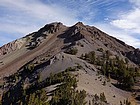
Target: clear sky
{"type": "Point", "coordinates": [119, 18]}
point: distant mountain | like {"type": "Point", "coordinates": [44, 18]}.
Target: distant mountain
{"type": "Point", "coordinates": [52, 65]}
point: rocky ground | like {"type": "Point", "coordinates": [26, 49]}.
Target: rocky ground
{"type": "Point", "coordinates": [48, 50]}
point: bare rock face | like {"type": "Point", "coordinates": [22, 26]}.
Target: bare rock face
{"type": "Point", "coordinates": [49, 29]}
{"type": "Point", "coordinates": [134, 56]}
{"type": "Point", "coordinates": [12, 46]}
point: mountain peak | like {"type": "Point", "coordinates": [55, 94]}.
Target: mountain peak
{"type": "Point", "coordinates": [52, 27]}
{"type": "Point", "coordinates": [55, 23]}
{"type": "Point", "coordinates": [79, 23]}
{"type": "Point", "coordinates": [41, 60]}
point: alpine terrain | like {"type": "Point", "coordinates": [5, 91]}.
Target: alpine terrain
{"type": "Point", "coordinates": [77, 65]}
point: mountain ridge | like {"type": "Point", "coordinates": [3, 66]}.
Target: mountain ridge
{"type": "Point", "coordinates": [96, 56]}
{"type": "Point", "coordinates": [71, 34]}
{"type": "Point", "coordinates": [56, 24]}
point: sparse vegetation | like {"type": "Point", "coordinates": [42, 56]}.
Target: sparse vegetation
{"type": "Point", "coordinates": [32, 45]}
{"type": "Point", "coordinates": [64, 94]}
{"type": "Point", "coordinates": [79, 66]}
{"type": "Point", "coordinates": [70, 69]}
{"type": "Point", "coordinates": [112, 62]}
{"type": "Point", "coordinates": [103, 98]}
{"type": "Point", "coordinates": [100, 49]}
{"type": "Point", "coordinates": [90, 57]}
{"type": "Point", "coordinates": [30, 67]}
{"type": "Point", "coordinates": [125, 102]}
{"type": "Point", "coordinates": [117, 69]}
{"type": "Point", "coordinates": [72, 50]}
{"type": "Point", "coordinates": [80, 44]}
{"type": "Point", "coordinates": [37, 98]}
{"type": "Point", "coordinates": [99, 100]}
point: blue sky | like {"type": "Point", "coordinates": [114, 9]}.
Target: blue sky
{"type": "Point", "coordinates": [119, 18]}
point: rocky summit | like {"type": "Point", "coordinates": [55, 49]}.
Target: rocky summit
{"type": "Point", "coordinates": [77, 65]}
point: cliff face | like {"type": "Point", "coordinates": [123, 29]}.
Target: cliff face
{"type": "Point", "coordinates": [12, 46]}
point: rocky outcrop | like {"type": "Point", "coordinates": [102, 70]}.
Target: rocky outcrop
{"type": "Point", "coordinates": [49, 29]}
{"type": "Point", "coordinates": [134, 56]}
{"type": "Point", "coordinates": [12, 46]}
